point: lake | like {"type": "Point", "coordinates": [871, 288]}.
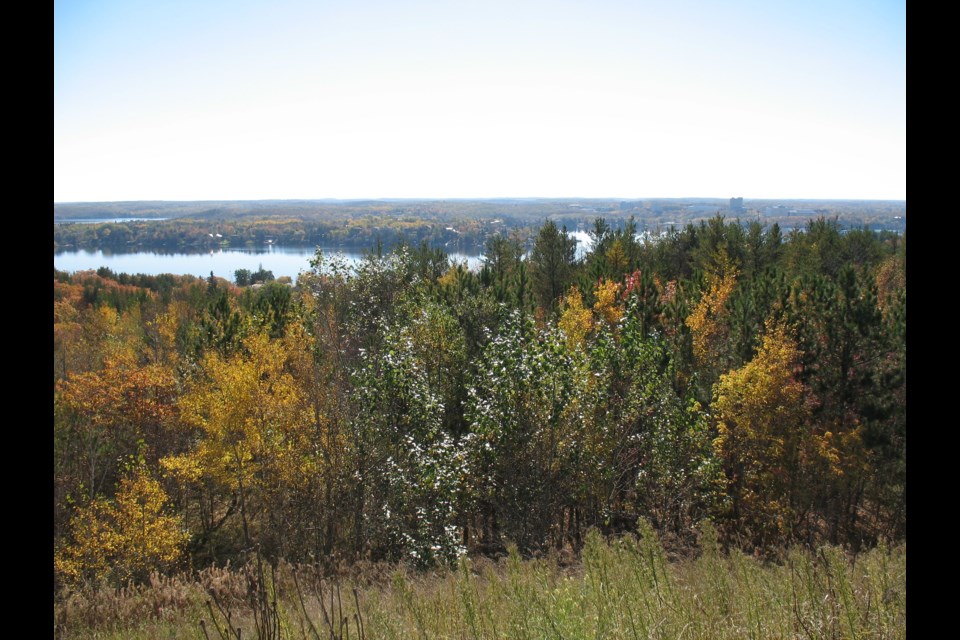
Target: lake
{"type": "Point", "coordinates": [282, 261]}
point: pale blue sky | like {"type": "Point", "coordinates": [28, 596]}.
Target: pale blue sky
{"type": "Point", "coordinates": [203, 99]}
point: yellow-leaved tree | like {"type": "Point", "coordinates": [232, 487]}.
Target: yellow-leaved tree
{"type": "Point", "coordinates": [253, 429]}
{"type": "Point", "coordinates": [607, 305]}
{"type": "Point", "coordinates": [124, 538]}
{"type": "Point", "coordinates": [102, 417]}
{"type": "Point", "coordinates": [707, 321]}
{"type": "Point", "coordinates": [576, 321]}
{"type": "Point", "coordinates": [773, 455]}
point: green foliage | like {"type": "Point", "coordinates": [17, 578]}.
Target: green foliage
{"type": "Point", "coordinates": [429, 262]}
{"type": "Point", "coordinates": [647, 450]}
{"type": "Point", "coordinates": [523, 430]}
{"type": "Point", "coordinates": [644, 301]}
{"type": "Point", "coordinates": [271, 307]}
{"type": "Point", "coordinates": [501, 263]}
{"type": "Point", "coordinates": [221, 327]}
{"type": "Point", "coordinates": [552, 262]}
{"type": "Point", "coordinates": [411, 461]}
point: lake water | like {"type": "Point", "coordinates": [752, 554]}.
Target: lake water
{"type": "Point", "coordinates": [282, 261]}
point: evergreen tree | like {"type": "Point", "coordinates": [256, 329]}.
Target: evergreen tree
{"type": "Point", "coordinates": [552, 261]}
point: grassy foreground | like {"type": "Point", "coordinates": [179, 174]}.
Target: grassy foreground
{"type": "Point", "coordinates": [622, 589]}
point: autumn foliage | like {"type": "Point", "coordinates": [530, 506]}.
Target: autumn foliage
{"type": "Point", "coordinates": [125, 538]}
{"type": "Point", "coordinates": [408, 410]}
{"type": "Point", "coordinates": [772, 452]}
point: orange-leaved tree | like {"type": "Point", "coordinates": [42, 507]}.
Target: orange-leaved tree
{"type": "Point", "coordinates": [707, 321]}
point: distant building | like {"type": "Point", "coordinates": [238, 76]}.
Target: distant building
{"type": "Point", "coordinates": [775, 210]}
{"type": "Point", "coordinates": [736, 204]}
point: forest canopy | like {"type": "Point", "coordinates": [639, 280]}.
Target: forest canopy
{"type": "Point", "coordinates": [410, 409]}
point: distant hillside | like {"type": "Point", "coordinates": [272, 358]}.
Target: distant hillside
{"type": "Point", "coordinates": [572, 211]}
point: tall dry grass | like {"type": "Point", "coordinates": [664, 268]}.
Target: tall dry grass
{"type": "Point", "coordinates": [624, 588]}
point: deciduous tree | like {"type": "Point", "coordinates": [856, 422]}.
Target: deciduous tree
{"type": "Point", "coordinates": [122, 538]}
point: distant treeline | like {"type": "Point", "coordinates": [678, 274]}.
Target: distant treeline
{"type": "Point", "coordinates": [519, 208]}
{"type": "Point", "coordinates": [455, 226]}
{"type": "Point", "coordinates": [187, 234]}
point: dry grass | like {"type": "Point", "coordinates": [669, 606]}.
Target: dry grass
{"type": "Point", "coordinates": [624, 588]}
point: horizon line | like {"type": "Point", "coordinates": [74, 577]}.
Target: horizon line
{"type": "Point", "coordinates": [474, 199]}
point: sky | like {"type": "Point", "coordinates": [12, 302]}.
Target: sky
{"type": "Point", "coordinates": [290, 99]}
